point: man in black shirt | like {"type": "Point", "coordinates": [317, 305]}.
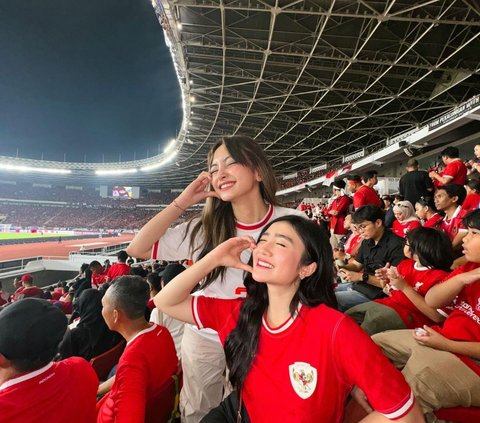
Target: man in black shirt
{"type": "Point", "coordinates": [415, 183]}
{"type": "Point", "coordinates": [379, 247]}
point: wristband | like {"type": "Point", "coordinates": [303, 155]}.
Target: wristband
{"type": "Point", "coordinates": [174, 202]}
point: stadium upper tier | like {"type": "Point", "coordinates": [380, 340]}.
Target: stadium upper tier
{"type": "Point", "coordinates": [312, 81]}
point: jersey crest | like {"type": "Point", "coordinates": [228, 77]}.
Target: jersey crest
{"type": "Point", "coordinates": [303, 378]}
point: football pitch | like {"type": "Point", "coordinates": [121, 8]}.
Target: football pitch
{"type": "Point", "coordinates": [26, 235]}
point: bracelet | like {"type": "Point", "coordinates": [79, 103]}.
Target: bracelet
{"type": "Point", "coordinates": [174, 202]}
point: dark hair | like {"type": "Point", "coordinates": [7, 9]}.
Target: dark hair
{"type": "Point", "coordinates": [217, 221]}
{"type": "Point", "coordinates": [368, 212]}
{"type": "Point", "coordinates": [242, 343]}
{"type": "Point", "coordinates": [451, 152]}
{"type": "Point", "coordinates": [399, 197]}
{"type": "Point", "coordinates": [369, 174]}
{"type": "Point", "coordinates": [455, 190]}
{"type": "Point", "coordinates": [154, 280]}
{"type": "Point", "coordinates": [129, 294]}
{"type": "Point", "coordinates": [474, 184]}
{"type": "Point", "coordinates": [84, 267]}
{"type": "Point", "coordinates": [427, 201]}
{"type": "Point", "coordinates": [122, 256]}
{"type": "Point", "coordinates": [472, 220]}
{"type": "Point", "coordinates": [138, 271]}
{"type": "Point", "coordinates": [94, 263]}
{"type": "Point", "coordinates": [354, 178]}
{"type": "Point", "coordinates": [433, 247]}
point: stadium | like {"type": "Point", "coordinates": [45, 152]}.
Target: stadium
{"type": "Point", "coordinates": [330, 91]}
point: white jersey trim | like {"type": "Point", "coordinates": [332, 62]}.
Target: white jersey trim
{"type": "Point", "coordinates": [402, 410]}
{"type": "Point", "coordinates": [25, 377]}
{"type": "Point", "coordinates": [284, 326]}
{"type": "Point", "coordinates": [143, 332]}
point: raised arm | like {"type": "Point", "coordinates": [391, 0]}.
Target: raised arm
{"type": "Point", "coordinates": [175, 299]}
{"type": "Point", "coordinates": [141, 245]}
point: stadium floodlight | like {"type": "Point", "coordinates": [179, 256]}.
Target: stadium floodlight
{"type": "Point", "coordinates": [160, 163]}
{"type": "Point", "coordinates": [107, 172]}
{"type": "Point", "coordinates": [23, 168]}
{"type": "Point", "coordinates": [170, 146]}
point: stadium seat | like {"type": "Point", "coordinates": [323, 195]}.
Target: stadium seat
{"type": "Point", "coordinates": [459, 414]}
{"type": "Point", "coordinates": [103, 363]}
{"type": "Point", "coordinates": [163, 408]}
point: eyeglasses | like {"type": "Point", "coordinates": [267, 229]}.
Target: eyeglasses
{"type": "Point", "coordinates": [363, 226]}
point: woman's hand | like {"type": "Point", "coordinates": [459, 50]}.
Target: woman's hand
{"type": "Point", "coordinates": [396, 280]}
{"type": "Point", "coordinates": [228, 253]}
{"type": "Point", "coordinates": [432, 339]}
{"type": "Point", "coordinates": [196, 191]}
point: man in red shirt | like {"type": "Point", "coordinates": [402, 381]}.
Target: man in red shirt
{"type": "Point", "coordinates": [149, 359]}
{"type": "Point", "coordinates": [449, 199]}
{"type": "Point", "coordinates": [118, 269]}
{"type": "Point", "coordinates": [34, 389]}
{"type": "Point", "coordinates": [454, 348]}
{"type": "Point", "coordinates": [455, 171]}
{"type": "Point", "coordinates": [98, 274]}
{"type": "Point", "coordinates": [27, 289]}
{"type": "Point", "coordinates": [365, 194]}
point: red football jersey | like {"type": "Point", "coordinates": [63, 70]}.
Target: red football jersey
{"type": "Point", "coordinates": [453, 225]}
{"type": "Point", "coordinates": [457, 170]}
{"type": "Point", "coordinates": [365, 195]}
{"type": "Point", "coordinates": [57, 393]}
{"type": "Point", "coordinates": [304, 370]}
{"type": "Point", "coordinates": [117, 269]}
{"type": "Point", "coordinates": [419, 278]}
{"type": "Point", "coordinates": [401, 228]}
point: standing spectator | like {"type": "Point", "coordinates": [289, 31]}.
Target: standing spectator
{"type": "Point", "coordinates": [405, 218]}
{"type": "Point", "coordinates": [449, 199]}
{"type": "Point", "coordinates": [366, 195]}
{"type": "Point", "coordinates": [379, 247]}
{"type": "Point", "coordinates": [337, 211]}
{"type": "Point", "coordinates": [415, 183]}
{"type": "Point", "coordinates": [455, 171]}
{"type": "Point", "coordinates": [472, 200]}
{"type": "Point", "coordinates": [354, 182]}
{"type": "Point", "coordinates": [33, 389]}
{"type": "Point", "coordinates": [28, 289]}
{"type": "Point", "coordinates": [426, 211]}
{"type": "Point", "coordinates": [118, 269]}
{"type": "Point", "coordinates": [149, 359]}
{"type": "Point", "coordinates": [388, 210]}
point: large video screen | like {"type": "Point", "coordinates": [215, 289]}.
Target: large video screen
{"type": "Point", "coordinates": [122, 192]}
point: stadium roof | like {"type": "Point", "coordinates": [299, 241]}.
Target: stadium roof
{"type": "Point", "coordinates": [312, 81]}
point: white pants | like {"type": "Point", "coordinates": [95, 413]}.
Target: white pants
{"type": "Point", "coordinates": [204, 383]}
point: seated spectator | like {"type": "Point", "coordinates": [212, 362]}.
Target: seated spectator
{"type": "Point", "coordinates": [429, 257]}
{"type": "Point", "coordinates": [388, 210]}
{"type": "Point", "coordinates": [283, 338]}
{"type": "Point", "coordinates": [455, 171]}
{"type": "Point", "coordinates": [426, 211]}
{"type": "Point", "coordinates": [4, 296]}
{"type": "Point", "coordinates": [174, 326]}
{"type": "Point", "coordinates": [454, 379]}
{"type": "Point", "coordinates": [379, 247]}
{"type": "Point", "coordinates": [449, 199]}
{"type": "Point", "coordinates": [32, 388]}
{"type": "Point", "coordinates": [349, 243]}
{"type": "Point", "coordinates": [118, 269]}
{"type": "Point", "coordinates": [91, 336]}
{"type": "Point", "coordinates": [98, 274]}
{"type": "Point", "coordinates": [405, 218]}
{"type": "Point", "coordinates": [149, 359]}
{"type": "Point", "coordinates": [28, 289]}
{"type": "Point", "coordinates": [472, 200]}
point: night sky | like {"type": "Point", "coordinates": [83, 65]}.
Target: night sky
{"type": "Point", "coordinates": [91, 79]}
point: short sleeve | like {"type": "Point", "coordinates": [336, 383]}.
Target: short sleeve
{"type": "Point", "coordinates": [362, 363]}
{"type": "Point", "coordinates": [174, 244]}
{"type": "Point", "coordinates": [361, 252]}
{"type": "Point", "coordinates": [451, 170]}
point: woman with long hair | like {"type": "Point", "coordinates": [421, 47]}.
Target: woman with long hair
{"type": "Point", "coordinates": [239, 192]}
{"type": "Point", "coordinates": [291, 356]}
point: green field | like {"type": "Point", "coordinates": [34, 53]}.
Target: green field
{"type": "Point", "coordinates": [24, 235]}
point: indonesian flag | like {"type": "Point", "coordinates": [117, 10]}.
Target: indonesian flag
{"type": "Point", "coordinates": [330, 177]}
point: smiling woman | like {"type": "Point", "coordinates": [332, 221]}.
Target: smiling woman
{"type": "Point", "coordinates": [291, 356]}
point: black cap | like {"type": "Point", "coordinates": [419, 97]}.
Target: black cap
{"type": "Point", "coordinates": [171, 271]}
{"type": "Point", "coordinates": [30, 328]}
{"type": "Point", "coordinates": [338, 184]}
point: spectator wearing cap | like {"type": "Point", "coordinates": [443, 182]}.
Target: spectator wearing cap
{"type": "Point", "coordinates": [455, 171]}
{"type": "Point", "coordinates": [415, 183]}
{"type": "Point", "coordinates": [118, 269]}
{"type": "Point", "coordinates": [148, 361]}
{"type": "Point", "coordinates": [174, 326]}
{"type": "Point", "coordinates": [33, 389]}
{"type": "Point", "coordinates": [365, 194]}
{"type": "Point", "coordinates": [28, 289]}
{"type": "Point", "coordinates": [337, 210]}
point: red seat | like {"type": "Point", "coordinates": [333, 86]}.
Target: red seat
{"type": "Point", "coordinates": [163, 407]}
{"type": "Point", "coordinates": [459, 414]}
{"type": "Point", "coordinates": [103, 363]}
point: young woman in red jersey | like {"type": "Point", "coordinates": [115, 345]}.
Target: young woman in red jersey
{"type": "Point", "coordinates": [291, 356]}
{"type": "Point", "coordinates": [427, 213]}
{"type": "Point", "coordinates": [405, 219]}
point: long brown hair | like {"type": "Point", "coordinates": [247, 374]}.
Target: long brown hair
{"type": "Point", "coordinates": [216, 223]}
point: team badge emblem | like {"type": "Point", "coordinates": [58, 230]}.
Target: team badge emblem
{"type": "Point", "coordinates": [303, 378]}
